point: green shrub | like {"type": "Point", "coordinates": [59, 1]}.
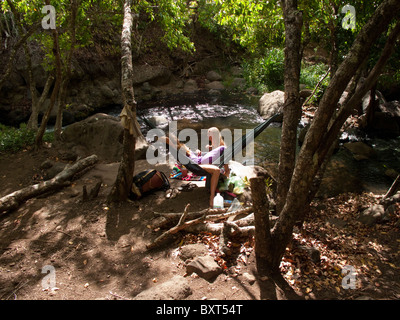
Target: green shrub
{"type": "Point", "coordinates": [15, 139]}
{"type": "Point", "coordinates": [310, 75]}
{"type": "Point", "coordinates": [266, 73]}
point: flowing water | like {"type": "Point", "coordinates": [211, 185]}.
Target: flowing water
{"type": "Point", "coordinates": [344, 174]}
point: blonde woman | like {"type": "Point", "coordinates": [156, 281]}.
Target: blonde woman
{"type": "Point", "coordinates": [216, 146]}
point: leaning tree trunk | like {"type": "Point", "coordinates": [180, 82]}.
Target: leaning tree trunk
{"type": "Point", "coordinates": [123, 183]}
{"type": "Point", "coordinates": [292, 109]}
{"type": "Point", "coordinates": [326, 124]}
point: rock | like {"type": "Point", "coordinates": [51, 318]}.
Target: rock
{"type": "Point", "coordinates": [101, 134]}
{"type": "Point", "coordinates": [312, 252]}
{"type": "Point", "coordinates": [391, 200]}
{"type": "Point", "coordinates": [214, 92]}
{"type": "Point", "coordinates": [372, 215]}
{"type": "Point", "coordinates": [106, 91]}
{"type": "Point", "coordinates": [215, 85]}
{"type": "Point", "coordinates": [68, 155]}
{"type": "Point", "coordinates": [54, 170]}
{"type": "Point", "coordinates": [47, 164]}
{"type": "Point", "coordinates": [360, 150]}
{"type": "Point", "coordinates": [305, 93]}
{"type": "Point", "coordinates": [205, 267]}
{"type": "Point", "coordinates": [190, 86]}
{"type": "Point", "coordinates": [158, 120]}
{"type": "Point", "coordinates": [271, 103]}
{"type": "Point", "coordinates": [191, 251]}
{"type": "Point", "coordinates": [390, 211]}
{"type": "Point", "coordinates": [249, 278]}
{"type": "Point", "coordinates": [175, 289]}
{"type": "Point", "coordinates": [155, 75]}
{"type": "Point", "coordinates": [213, 76]}
{"type": "Point", "coordinates": [179, 84]}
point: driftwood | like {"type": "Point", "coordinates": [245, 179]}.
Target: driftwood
{"type": "Point", "coordinates": [63, 179]}
{"type": "Point", "coordinates": [202, 222]}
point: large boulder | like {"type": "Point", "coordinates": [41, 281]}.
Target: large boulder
{"type": "Point", "coordinates": [213, 76]}
{"type": "Point", "coordinates": [215, 85]}
{"type": "Point", "coordinates": [155, 75]}
{"type": "Point", "coordinates": [101, 134]}
{"type": "Point", "coordinates": [271, 103]}
{"type": "Point", "coordinates": [360, 150]}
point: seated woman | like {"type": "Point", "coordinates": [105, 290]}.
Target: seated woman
{"type": "Point", "coordinates": [215, 147]}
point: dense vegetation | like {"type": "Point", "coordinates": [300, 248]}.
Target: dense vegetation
{"type": "Point", "coordinates": [272, 40]}
{"type": "Point", "coordinates": [252, 29]}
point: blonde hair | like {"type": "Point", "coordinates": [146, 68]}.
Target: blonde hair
{"type": "Point", "coordinates": [216, 137]}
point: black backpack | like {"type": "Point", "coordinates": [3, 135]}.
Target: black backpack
{"type": "Point", "coordinates": [148, 181]}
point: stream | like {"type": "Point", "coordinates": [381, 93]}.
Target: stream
{"type": "Point", "coordinates": [344, 173]}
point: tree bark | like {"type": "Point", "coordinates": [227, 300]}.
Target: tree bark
{"type": "Point", "coordinates": [317, 143]}
{"type": "Point", "coordinates": [67, 75]}
{"type": "Point", "coordinates": [292, 109]}
{"type": "Point", "coordinates": [46, 116]}
{"type": "Point", "coordinates": [64, 178]}
{"type": "Point", "coordinates": [264, 247]}
{"type": "Point", "coordinates": [123, 183]}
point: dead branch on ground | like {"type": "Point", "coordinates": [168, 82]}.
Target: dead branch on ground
{"type": "Point", "coordinates": [13, 200]}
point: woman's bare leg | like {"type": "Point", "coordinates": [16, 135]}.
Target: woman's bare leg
{"type": "Point", "coordinates": [215, 172]}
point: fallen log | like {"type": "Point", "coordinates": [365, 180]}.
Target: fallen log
{"type": "Point", "coordinates": [184, 225]}
{"type": "Point", "coordinates": [165, 219]}
{"type": "Point", "coordinates": [61, 180]}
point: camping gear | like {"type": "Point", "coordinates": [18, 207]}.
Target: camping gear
{"type": "Point", "coordinates": [147, 182]}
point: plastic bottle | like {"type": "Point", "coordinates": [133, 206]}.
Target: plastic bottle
{"type": "Point", "coordinates": [235, 206]}
{"type": "Point", "coordinates": [218, 202]}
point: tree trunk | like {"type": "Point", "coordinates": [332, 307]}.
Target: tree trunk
{"type": "Point", "coordinates": [263, 239]}
{"type": "Point", "coordinates": [123, 183]}
{"type": "Point", "coordinates": [323, 130]}
{"type": "Point", "coordinates": [371, 108]}
{"type": "Point", "coordinates": [37, 102]}
{"type": "Point", "coordinates": [292, 110]}
{"type": "Point", "coordinates": [334, 53]}
{"type": "Point", "coordinates": [64, 86]}
{"type": "Point", "coordinates": [46, 116]}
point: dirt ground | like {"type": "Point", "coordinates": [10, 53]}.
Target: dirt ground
{"type": "Point", "coordinates": [99, 252]}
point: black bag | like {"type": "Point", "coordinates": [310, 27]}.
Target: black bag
{"type": "Point", "coordinates": [147, 182]}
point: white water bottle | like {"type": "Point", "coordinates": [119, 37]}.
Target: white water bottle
{"type": "Point", "coordinates": [218, 201]}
